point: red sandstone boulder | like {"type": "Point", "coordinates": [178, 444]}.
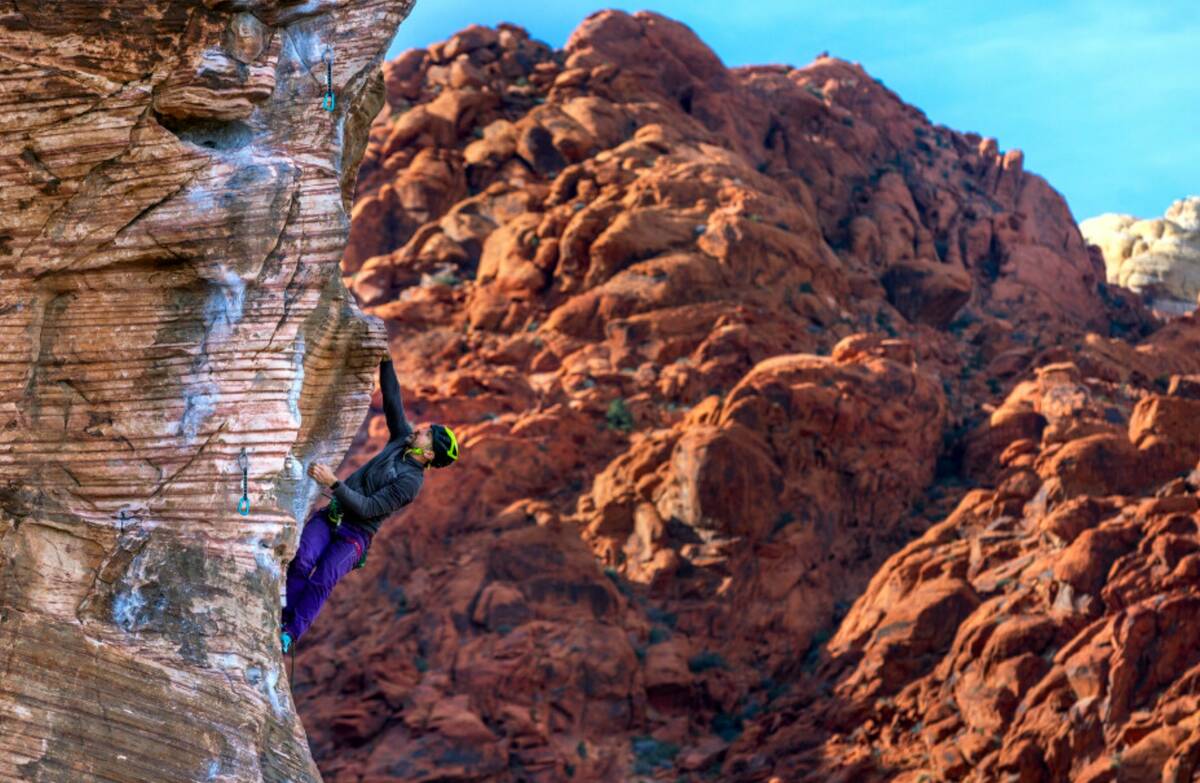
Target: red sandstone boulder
{"type": "Point", "coordinates": [926, 291]}
{"type": "Point", "coordinates": [1166, 432]}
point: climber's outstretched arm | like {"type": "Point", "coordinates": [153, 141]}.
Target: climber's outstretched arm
{"type": "Point", "coordinates": [393, 406]}
{"type": "Point", "coordinates": [388, 499]}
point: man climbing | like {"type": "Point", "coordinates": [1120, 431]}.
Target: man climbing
{"type": "Point", "coordinates": [336, 537]}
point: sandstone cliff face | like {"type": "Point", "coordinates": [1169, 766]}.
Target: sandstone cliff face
{"type": "Point", "coordinates": [718, 342]}
{"type": "Point", "coordinates": [1158, 257]}
{"type": "Point", "coordinates": [173, 203]}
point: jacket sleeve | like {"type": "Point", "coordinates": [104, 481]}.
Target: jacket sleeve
{"type": "Point", "coordinates": [388, 499]}
{"type": "Point", "coordinates": [393, 405]}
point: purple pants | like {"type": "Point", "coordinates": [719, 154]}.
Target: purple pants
{"type": "Point", "coordinates": [323, 557]}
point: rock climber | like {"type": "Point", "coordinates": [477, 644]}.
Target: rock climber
{"type": "Point", "coordinates": [337, 536]}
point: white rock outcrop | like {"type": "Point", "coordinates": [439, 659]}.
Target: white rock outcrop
{"type": "Point", "coordinates": [1159, 257]}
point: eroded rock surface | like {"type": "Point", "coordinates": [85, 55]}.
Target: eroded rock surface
{"type": "Point", "coordinates": [717, 342]}
{"type": "Point", "coordinates": [173, 203]}
{"type": "Point", "coordinates": [1044, 630]}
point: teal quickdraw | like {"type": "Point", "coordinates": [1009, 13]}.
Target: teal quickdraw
{"type": "Point", "coordinates": [327, 102]}
{"type": "Point", "coordinates": [244, 503]}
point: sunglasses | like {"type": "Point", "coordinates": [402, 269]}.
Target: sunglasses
{"type": "Point", "coordinates": [451, 452]}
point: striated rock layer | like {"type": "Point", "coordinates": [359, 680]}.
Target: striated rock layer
{"type": "Point", "coordinates": [173, 202]}
{"type": "Point", "coordinates": [717, 342]}
{"type": "Point", "coordinates": [1158, 257]}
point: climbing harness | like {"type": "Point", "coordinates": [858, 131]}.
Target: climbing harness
{"type": "Point", "coordinates": [327, 102]}
{"type": "Point", "coordinates": [334, 515]}
{"type": "Point", "coordinates": [244, 503]}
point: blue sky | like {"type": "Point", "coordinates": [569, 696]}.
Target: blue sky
{"type": "Point", "coordinates": [1103, 96]}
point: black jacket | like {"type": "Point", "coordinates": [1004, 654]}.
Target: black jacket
{"type": "Point", "coordinates": [390, 480]}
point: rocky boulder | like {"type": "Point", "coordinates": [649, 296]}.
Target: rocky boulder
{"type": "Point", "coordinates": [729, 338]}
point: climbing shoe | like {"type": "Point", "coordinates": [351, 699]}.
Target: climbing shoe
{"type": "Point", "coordinates": [286, 639]}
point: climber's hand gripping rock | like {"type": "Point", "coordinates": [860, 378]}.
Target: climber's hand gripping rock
{"type": "Point", "coordinates": [322, 474]}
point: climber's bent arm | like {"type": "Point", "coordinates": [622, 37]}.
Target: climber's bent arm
{"type": "Point", "coordinates": [388, 499]}
{"type": "Point", "coordinates": [393, 405]}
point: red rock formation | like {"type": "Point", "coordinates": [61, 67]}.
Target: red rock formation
{"type": "Point", "coordinates": [173, 202]}
{"type": "Point", "coordinates": [718, 342]}
{"type": "Point", "coordinates": [1043, 631]}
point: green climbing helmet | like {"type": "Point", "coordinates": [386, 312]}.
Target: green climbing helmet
{"type": "Point", "coordinates": [445, 446]}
